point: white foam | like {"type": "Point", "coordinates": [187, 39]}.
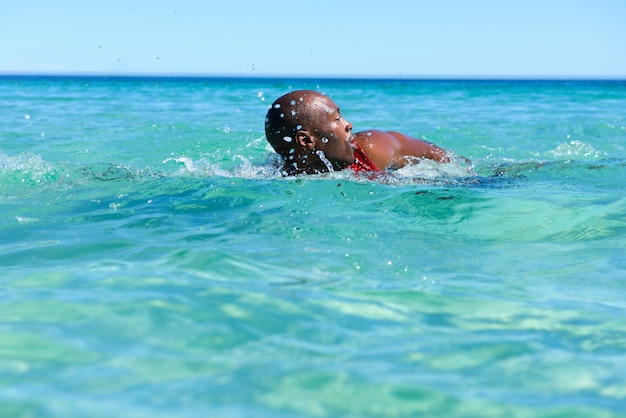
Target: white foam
{"type": "Point", "coordinates": [243, 168]}
{"type": "Point", "coordinates": [574, 149]}
{"type": "Point", "coordinates": [429, 169]}
{"type": "Point", "coordinates": [26, 219]}
{"type": "Point", "coordinates": [31, 165]}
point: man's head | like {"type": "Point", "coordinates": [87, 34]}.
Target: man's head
{"type": "Point", "coordinates": [306, 128]}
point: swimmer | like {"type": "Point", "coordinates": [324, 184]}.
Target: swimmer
{"type": "Point", "coordinates": [307, 130]}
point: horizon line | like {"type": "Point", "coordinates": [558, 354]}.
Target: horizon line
{"type": "Point", "coordinates": [399, 77]}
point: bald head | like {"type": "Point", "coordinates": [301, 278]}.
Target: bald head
{"type": "Point", "coordinates": [295, 111]}
{"type": "Point", "coordinates": [307, 130]}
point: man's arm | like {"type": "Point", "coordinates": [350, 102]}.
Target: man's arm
{"type": "Point", "coordinates": [389, 150]}
{"type": "Point", "coordinates": [413, 147]}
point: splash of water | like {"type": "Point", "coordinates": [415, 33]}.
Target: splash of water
{"type": "Point", "coordinates": [575, 149]}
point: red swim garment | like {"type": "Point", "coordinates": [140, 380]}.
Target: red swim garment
{"type": "Point", "coordinates": [361, 161]}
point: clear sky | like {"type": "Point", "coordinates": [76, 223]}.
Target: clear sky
{"type": "Point", "coordinates": [397, 38]}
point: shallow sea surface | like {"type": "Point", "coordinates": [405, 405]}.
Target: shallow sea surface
{"type": "Point", "coordinates": [154, 263]}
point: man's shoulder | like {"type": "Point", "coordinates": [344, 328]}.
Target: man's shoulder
{"type": "Point", "coordinates": [380, 146]}
{"type": "Point", "coordinates": [373, 134]}
{"type": "Point", "coordinates": [375, 138]}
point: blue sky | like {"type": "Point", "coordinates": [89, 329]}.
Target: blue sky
{"type": "Point", "coordinates": [397, 38]}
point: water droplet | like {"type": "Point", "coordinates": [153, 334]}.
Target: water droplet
{"type": "Point", "coordinates": [325, 140]}
{"type": "Point", "coordinates": [27, 116]}
{"type": "Point", "coordinates": [277, 106]}
{"type": "Point", "coordinates": [287, 139]}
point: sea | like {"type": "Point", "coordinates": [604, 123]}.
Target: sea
{"type": "Point", "coordinates": [154, 262]}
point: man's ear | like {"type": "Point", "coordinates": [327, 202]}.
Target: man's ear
{"type": "Point", "coordinates": [305, 139]}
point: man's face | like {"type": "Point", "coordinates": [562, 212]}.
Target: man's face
{"type": "Point", "coordinates": [334, 134]}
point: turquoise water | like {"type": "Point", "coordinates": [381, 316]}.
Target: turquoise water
{"type": "Point", "coordinates": [154, 264]}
